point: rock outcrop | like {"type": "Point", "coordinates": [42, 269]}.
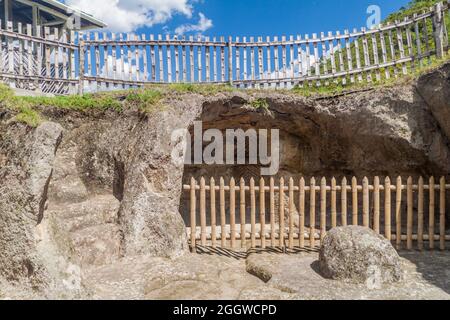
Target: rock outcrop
{"type": "Point", "coordinates": [28, 252]}
{"type": "Point", "coordinates": [359, 254]}
{"type": "Point", "coordinates": [108, 189]}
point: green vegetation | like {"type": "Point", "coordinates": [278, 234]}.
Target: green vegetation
{"type": "Point", "coordinates": [28, 116]}
{"type": "Point", "coordinates": [337, 88]}
{"type": "Point", "coordinates": [260, 104]}
{"type": "Point", "coordinates": [203, 89]}
{"type": "Point", "coordinates": [146, 100]}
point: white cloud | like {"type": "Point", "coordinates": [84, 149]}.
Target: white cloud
{"type": "Point", "coordinates": [128, 15]}
{"type": "Point", "coordinates": [203, 24]}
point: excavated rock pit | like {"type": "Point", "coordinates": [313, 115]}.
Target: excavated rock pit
{"type": "Point", "coordinates": [88, 190]}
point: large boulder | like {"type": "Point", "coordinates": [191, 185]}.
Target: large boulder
{"type": "Point", "coordinates": [359, 254]}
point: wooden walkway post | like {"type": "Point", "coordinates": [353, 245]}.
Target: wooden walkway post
{"type": "Point", "coordinates": [203, 211]}
{"type": "Point", "coordinates": [281, 211]}
{"type": "Point", "coordinates": [431, 213]}
{"type": "Point", "coordinates": [409, 221]}
{"type": "Point", "coordinates": [387, 209]}
{"type": "Point", "coordinates": [223, 236]}
{"type": "Point", "coordinates": [366, 202]}
{"type": "Point", "coordinates": [323, 208]}
{"type": "Point", "coordinates": [242, 211]}
{"type": "Point", "coordinates": [442, 214]}
{"type": "Point", "coordinates": [398, 212]}
{"type": "Point", "coordinates": [438, 22]}
{"type": "Point", "coordinates": [233, 212]}
{"type": "Point", "coordinates": [193, 214]}
{"type": "Point", "coordinates": [420, 210]}
{"type": "Point", "coordinates": [212, 195]}
{"type": "Point", "coordinates": [262, 212]}
{"type": "Point", "coordinates": [301, 201]}
{"type": "Point", "coordinates": [291, 213]}
{"type": "Point", "coordinates": [312, 213]}
{"type": "Point", "coordinates": [253, 212]}
{"type": "Point", "coordinates": [354, 201]}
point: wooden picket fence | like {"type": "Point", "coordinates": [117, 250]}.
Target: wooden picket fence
{"type": "Point", "coordinates": [402, 216]}
{"type": "Point", "coordinates": [62, 62]}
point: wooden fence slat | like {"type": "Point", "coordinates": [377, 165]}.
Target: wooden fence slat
{"type": "Point", "coordinates": [130, 58]}
{"type": "Point", "coordinates": [199, 61]}
{"type": "Point", "coordinates": [215, 79]}
{"type": "Point", "coordinates": [144, 58]}
{"type": "Point", "coordinates": [223, 236]}
{"type": "Point", "coordinates": [323, 209]}
{"type": "Point", "coordinates": [409, 223]}
{"type": "Point", "coordinates": [253, 212]}
{"type": "Point", "coordinates": [366, 54]}
{"type": "Point", "coordinates": [161, 60]}
{"type": "Point", "coordinates": [431, 212]}
{"type": "Point", "coordinates": [284, 58]}
{"type": "Point", "coordinates": [366, 202]}
{"type": "Point", "coordinates": [244, 40]}
{"type": "Point", "coordinates": [316, 58]}
{"type": "Point", "coordinates": [242, 212]}
{"type": "Point", "coordinates": [272, 211]}
{"type": "Point", "coordinates": [354, 201]}
{"type": "Point", "coordinates": [207, 60]}
{"type": "Point", "coordinates": [401, 47]}
{"type": "Point", "coordinates": [276, 51]}
{"type": "Point", "coordinates": [238, 62]}
{"type": "Point", "coordinates": [21, 56]}
{"type": "Point", "coordinates": [177, 60]}
{"type": "Point", "coordinates": [312, 213]}
{"type": "Point", "coordinates": [376, 59]}
{"type": "Point", "coordinates": [376, 204]}
{"type": "Point", "coordinates": [387, 209]}
{"type": "Point", "coordinates": [252, 59]}
{"type": "Point", "coordinates": [262, 214]}
{"type": "Point", "coordinates": [344, 202]}
{"type": "Point", "coordinates": [191, 60]}
{"type": "Point", "coordinates": [169, 60]}
{"type": "Point", "coordinates": [233, 212]}
{"type": "Point", "coordinates": [47, 55]}
{"type": "Point", "coordinates": [387, 73]}
{"type": "Point", "coordinates": [333, 203]}
{"type": "Point", "coordinates": [291, 213]}
{"type": "Point", "coordinates": [349, 55]}
{"type": "Point", "coordinates": [442, 213]}
{"type": "Point", "coordinates": [358, 56]}
{"type": "Point", "coordinates": [29, 49]}
{"type": "Point", "coordinates": [193, 213]}
{"type": "Point", "coordinates": [340, 56]}
{"type": "Point", "coordinates": [212, 196]}
{"type": "Point", "coordinates": [418, 40]}
{"type": "Point", "coordinates": [420, 212]}
{"type": "Point", "coordinates": [300, 58]}
{"type": "Point", "coordinates": [332, 53]}
{"type": "Point", "coordinates": [222, 59]}
{"type": "Point", "coordinates": [302, 213]}
{"type": "Point", "coordinates": [203, 211]}
{"type": "Point", "coordinates": [281, 212]}
{"type": "Point", "coordinates": [398, 213]}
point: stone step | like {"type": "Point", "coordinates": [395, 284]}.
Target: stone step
{"type": "Point", "coordinates": [95, 211]}
{"type": "Point", "coordinates": [97, 245]}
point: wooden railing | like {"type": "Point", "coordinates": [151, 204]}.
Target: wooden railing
{"type": "Point", "coordinates": [297, 214]}
{"type": "Point", "coordinates": [104, 61]}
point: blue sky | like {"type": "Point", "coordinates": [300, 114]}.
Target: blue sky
{"type": "Point", "coordinates": [282, 17]}
{"type": "Point", "coordinates": [234, 17]}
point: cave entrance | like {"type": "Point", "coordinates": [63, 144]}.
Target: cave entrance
{"type": "Point", "coordinates": [312, 144]}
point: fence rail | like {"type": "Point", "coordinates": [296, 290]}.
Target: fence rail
{"type": "Point", "coordinates": [62, 61]}
{"type": "Point", "coordinates": [297, 214]}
